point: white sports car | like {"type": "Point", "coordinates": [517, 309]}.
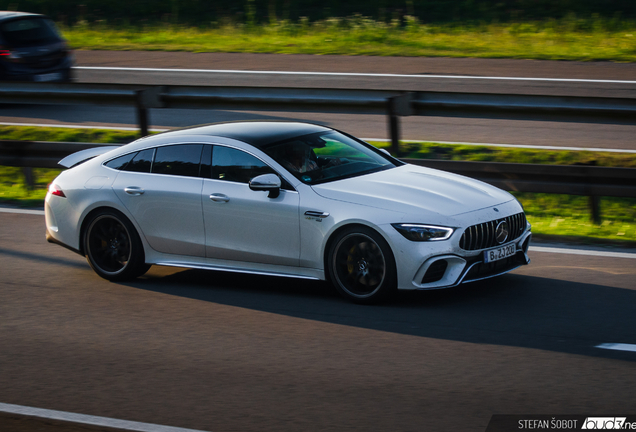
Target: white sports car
{"type": "Point", "coordinates": [284, 199]}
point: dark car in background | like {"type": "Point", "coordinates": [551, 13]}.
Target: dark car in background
{"type": "Point", "coordinates": [32, 49]}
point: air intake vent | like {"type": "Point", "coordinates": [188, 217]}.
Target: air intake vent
{"type": "Point", "coordinates": [435, 272]}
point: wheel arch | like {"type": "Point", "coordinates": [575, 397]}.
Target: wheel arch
{"type": "Point", "coordinates": [89, 216]}
{"type": "Point", "coordinates": [334, 235]}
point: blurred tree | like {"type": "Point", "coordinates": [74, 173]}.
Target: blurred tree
{"type": "Point", "coordinates": [199, 12]}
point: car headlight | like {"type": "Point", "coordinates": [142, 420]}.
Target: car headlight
{"type": "Point", "coordinates": [419, 232]}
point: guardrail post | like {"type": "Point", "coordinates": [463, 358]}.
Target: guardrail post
{"type": "Point", "coordinates": [394, 130]}
{"type": "Point", "coordinates": [595, 208]}
{"type": "Point", "coordinates": [29, 180]}
{"type": "Point", "coordinates": [147, 98]}
{"type": "Point", "coordinates": [397, 106]}
{"type": "Point", "coordinates": [142, 117]}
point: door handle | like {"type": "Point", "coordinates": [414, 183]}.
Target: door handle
{"type": "Point", "coordinates": [134, 191]}
{"type": "Point", "coordinates": [218, 197]}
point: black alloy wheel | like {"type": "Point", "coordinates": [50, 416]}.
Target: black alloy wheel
{"type": "Point", "coordinates": [113, 248]}
{"type": "Point", "coordinates": [361, 266]}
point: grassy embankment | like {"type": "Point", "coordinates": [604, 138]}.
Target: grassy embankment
{"type": "Point", "coordinates": [549, 214]}
{"type": "Point", "coordinates": [566, 39]}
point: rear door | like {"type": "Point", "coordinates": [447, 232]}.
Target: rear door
{"type": "Point", "coordinates": [161, 188]}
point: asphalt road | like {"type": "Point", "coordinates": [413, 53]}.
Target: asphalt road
{"type": "Point", "coordinates": [434, 74]}
{"type": "Point", "coordinates": [225, 352]}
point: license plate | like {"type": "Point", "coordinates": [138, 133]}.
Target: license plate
{"type": "Point", "coordinates": [48, 77]}
{"type": "Point", "coordinates": [500, 253]}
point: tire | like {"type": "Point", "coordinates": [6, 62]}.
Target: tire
{"type": "Point", "coordinates": [113, 248]}
{"type": "Point", "coordinates": [361, 266]}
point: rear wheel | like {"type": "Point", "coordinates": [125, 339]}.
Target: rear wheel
{"type": "Point", "coordinates": [361, 266]}
{"type": "Point", "coordinates": [113, 248]}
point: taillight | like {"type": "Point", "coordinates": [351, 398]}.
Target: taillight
{"type": "Point", "coordinates": [9, 55]}
{"type": "Point", "coordinates": [56, 190]}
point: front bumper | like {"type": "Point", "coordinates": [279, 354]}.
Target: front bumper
{"type": "Point", "coordinates": [445, 271]}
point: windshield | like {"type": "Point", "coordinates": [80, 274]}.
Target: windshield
{"type": "Point", "coordinates": [29, 31]}
{"type": "Point", "coordinates": [328, 156]}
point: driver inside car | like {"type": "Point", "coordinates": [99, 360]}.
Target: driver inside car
{"type": "Point", "coordinates": [300, 158]}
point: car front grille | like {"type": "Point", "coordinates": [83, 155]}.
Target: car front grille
{"type": "Point", "coordinates": [483, 235]}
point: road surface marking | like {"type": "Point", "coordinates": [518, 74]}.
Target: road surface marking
{"type": "Point", "coordinates": [72, 126]}
{"type": "Point", "coordinates": [618, 346]}
{"type": "Point", "coordinates": [583, 252]}
{"type": "Point", "coordinates": [90, 420]}
{"type": "Point", "coordinates": [21, 211]}
{"type": "Point", "coordinates": [352, 74]}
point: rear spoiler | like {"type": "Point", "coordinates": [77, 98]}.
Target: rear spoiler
{"type": "Point", "coordinates": [84, 155]}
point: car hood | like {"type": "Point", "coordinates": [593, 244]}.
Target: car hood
{"type": "Point", "coordinates": [411, 189]}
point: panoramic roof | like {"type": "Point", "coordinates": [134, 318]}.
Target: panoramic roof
{"type": "Point", "coordinates": [257, 133]}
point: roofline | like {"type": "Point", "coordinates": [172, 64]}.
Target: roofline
{"type": "Point", "coordinates": [185, 128]}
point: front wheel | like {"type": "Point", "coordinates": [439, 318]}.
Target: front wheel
{"type": "Point", "coordinates": [361, 266]}
{"type": "Point", "coordinates": [113, 248]}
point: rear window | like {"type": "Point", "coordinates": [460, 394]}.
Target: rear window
{"type": "Point", "coordinates": [142, 162]}
{"type": "Point", "coordinates": [188, 160]}
{"type": "Point", "coordinates": [120, 162]}
{"type": "Point", "coordinates": [29, 31]}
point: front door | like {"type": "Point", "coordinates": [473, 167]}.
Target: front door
{"type": "Point", "coordinates": [246, 225]}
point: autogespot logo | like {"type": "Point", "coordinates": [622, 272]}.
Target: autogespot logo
{"type": "Point", "coordinates": [605, 423]}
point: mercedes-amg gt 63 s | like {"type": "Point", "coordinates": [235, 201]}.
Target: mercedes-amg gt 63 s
{"type": "Point", "coordinates": [284, 199]}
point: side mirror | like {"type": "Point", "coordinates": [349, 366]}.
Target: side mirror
{"type": "Point", "coordinates": [383, 150]}
{"type": "Point", "coordinates": [266, 182]}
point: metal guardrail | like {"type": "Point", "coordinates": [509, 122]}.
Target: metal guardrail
{"type": "Point", "coordinates": [394, 104]}
{"type": "Point", "coordinates": [584, 180]}
{"type": "Point", "coordinates": [578, 180]}
{"type": "Point", "coordinates": [39, 154]}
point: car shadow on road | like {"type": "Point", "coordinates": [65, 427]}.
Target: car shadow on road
{"type": "Point", "coordinates": [513, 310]}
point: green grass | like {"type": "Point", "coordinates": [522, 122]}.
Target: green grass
{"type": "Point", "coordinates": [549, 214]}
{"type": "Point", "coordinates": [32, 133]}
{"type": "Point", "coordinates": [483, 153]}
{"type": "Point", "coordinates": [569, 215]}
{"type": "Point", "coordinates": [14, 191]}
{"type": "Point", "coordinates": [565, 39]}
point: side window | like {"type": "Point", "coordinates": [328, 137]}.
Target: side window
{"type": "Point", "coordinates": [142, 162]}
{"type": "Point", "coordinates": [236, 165]}
{"type": "Point", "coordinates": [180, 160]}
{"type": "Point", "coordinates": [120, 162]}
